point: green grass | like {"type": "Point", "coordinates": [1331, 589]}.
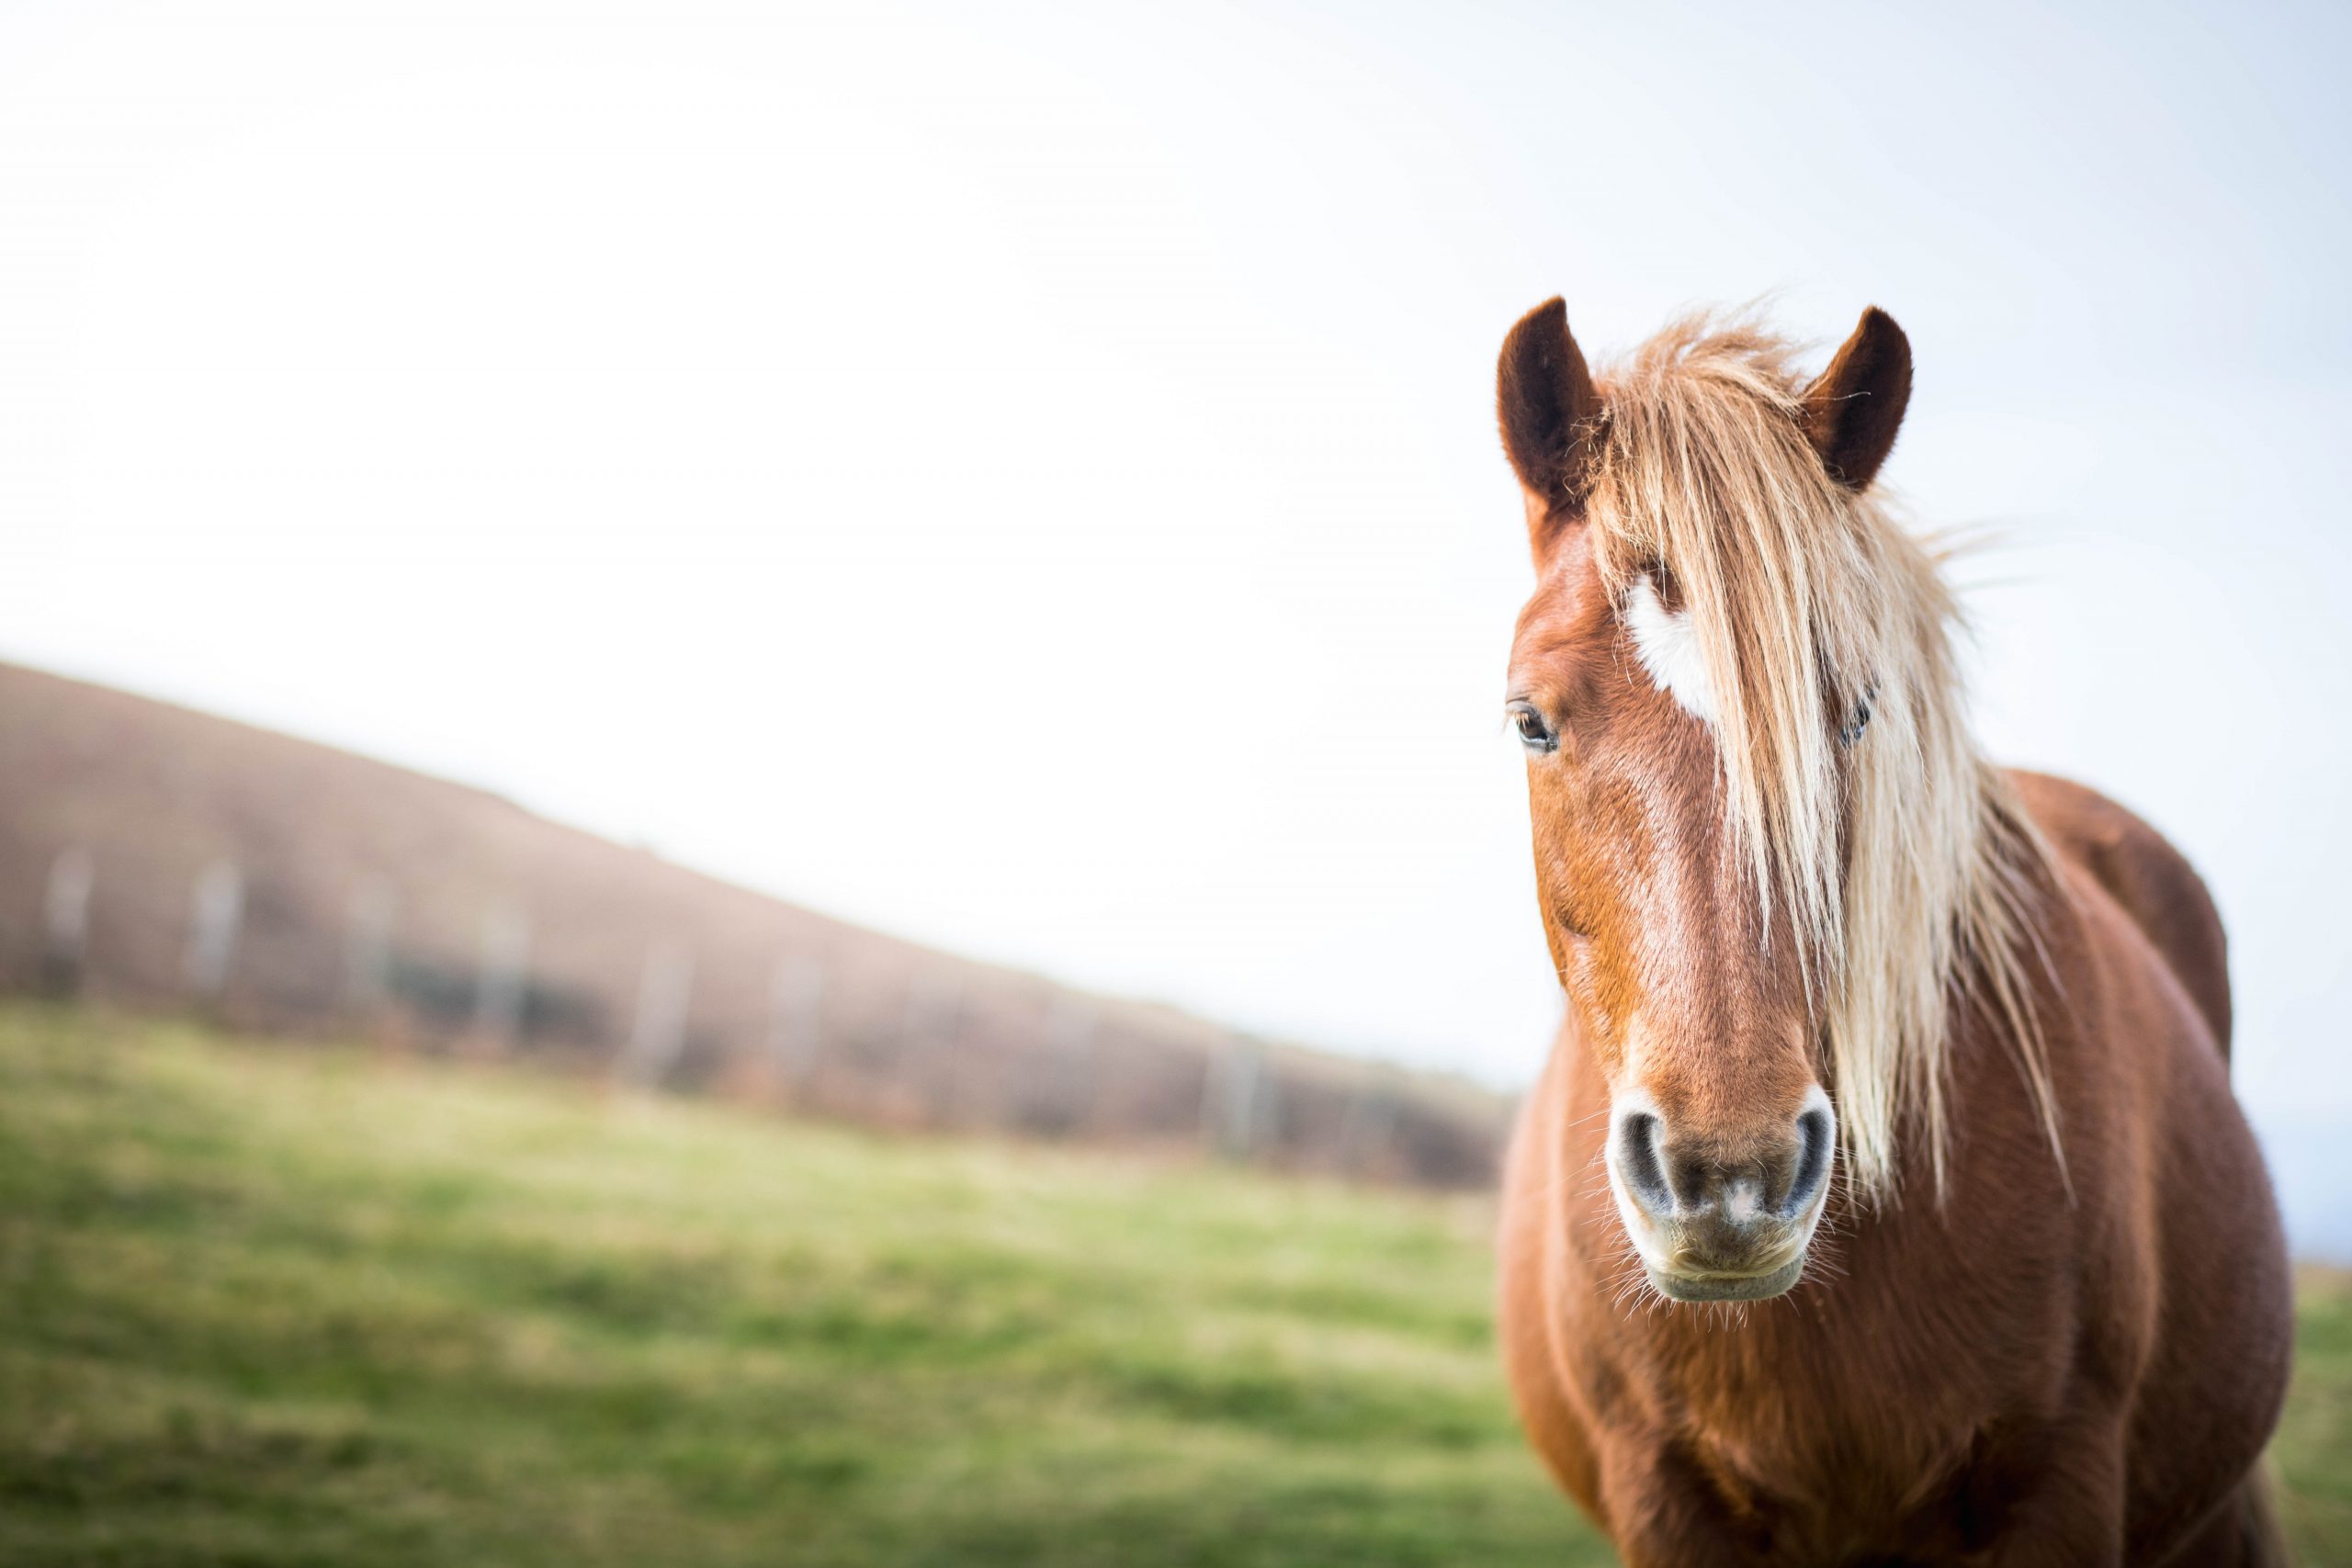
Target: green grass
{"type": "Point", "coordinates": [261, 1304]}
{"type": "Point", "coordinates": [2312, 1452]}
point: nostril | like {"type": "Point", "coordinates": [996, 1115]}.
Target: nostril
{"type": "Point", "coordinates": [1637, 1161]}
{"type": "Point", "coordinates": [1692, 1177]}
{"type": "Point", "coordinates": [1816, 1136]}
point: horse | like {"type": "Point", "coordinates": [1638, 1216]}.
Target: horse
{"type": "Point", "coordinates": [1883, 1199]}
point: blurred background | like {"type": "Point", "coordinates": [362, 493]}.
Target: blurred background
{"type": "Point", "coordinates": [903, 570]}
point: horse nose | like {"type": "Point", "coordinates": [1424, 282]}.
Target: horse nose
{"type": "Point", "coordinates": [1704, 1182]}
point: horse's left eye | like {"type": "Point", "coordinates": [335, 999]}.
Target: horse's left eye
{"type": "Point", "coordinates": [1534, 731]}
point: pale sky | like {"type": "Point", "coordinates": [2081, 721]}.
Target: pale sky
{"type": "Point", "coordinates": [1023, 477]}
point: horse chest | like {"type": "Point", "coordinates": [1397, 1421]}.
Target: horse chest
{"type": "Point", "coordinates": [1795, 1467]}
{"type": "Point", "coordinates": [1769, 1505]}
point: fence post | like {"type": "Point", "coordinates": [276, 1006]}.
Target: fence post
{"type": "Point", "coordinates": [926, 1031]}
{"type": "Point", "coordinates": [796, 1020]}
{"type": "Point", "coordinates": [368, 951]}
{"type": "Point", "coordinates": [932, 1004]}
{"type": "Point", "coordinates": [1230, 1112]}
{"type": "Point", "coordinates": [499, 983]}
{"type": "Point", "coordinates": [663, 995]}
{"type": "Point", "coordinates": [217, 905]}
{"type": "Point", "coordinates": [1371, 1122]}
{"type": "Point", "coordinates": [1071, 1059]}
{"type": "Point", "coordinates": [66, 918]}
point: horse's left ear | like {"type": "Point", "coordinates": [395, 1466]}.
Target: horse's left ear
{"type": "Point", "coordinates": [1851, 413]}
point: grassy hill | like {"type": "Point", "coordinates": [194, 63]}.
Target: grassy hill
{"type": "Point", "coordinates": [262, 1305]}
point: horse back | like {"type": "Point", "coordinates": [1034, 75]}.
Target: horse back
{"type": "Point", "coordinates": [2151, 881]}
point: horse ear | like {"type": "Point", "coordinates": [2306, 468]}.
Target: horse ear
{"type": "Point", "coordinates": [1851, 413]}
{"type": "Point", "coordinates": [1545, 398]}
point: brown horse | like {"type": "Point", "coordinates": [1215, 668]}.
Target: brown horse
{"type": "Point", "coordinates": [1910, 1073]}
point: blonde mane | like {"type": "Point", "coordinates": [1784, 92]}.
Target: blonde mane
{"type": "Point", "coordinates": [1900, 855]}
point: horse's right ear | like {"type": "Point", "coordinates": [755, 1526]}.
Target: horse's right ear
{"type": "Point", "coordinates": [1546, 402]}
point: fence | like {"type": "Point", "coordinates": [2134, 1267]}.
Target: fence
{"type": "Point", "coordinates": [927, 1042]}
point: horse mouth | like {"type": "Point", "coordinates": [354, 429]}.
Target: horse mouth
{"type": "Point", "coordinates": [1729, 1287]}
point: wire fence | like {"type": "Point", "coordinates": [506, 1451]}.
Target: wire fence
{"type": "Point", "coordinates": [875, 1031]}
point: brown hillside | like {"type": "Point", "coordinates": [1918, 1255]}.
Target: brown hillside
{"type": "Point", "coordinates": [369, 899]}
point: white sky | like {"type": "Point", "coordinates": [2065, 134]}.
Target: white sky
{"type": "Point", "coordinates": [1025, 479]}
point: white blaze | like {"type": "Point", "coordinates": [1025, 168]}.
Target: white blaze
{"type": "Point", "coordinates": [1669, 648]}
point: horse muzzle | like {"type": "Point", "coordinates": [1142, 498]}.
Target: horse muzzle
{"type": "Point", "coordinates": [1715, 1222]}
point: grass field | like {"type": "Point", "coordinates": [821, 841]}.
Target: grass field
{"type": "Point", "coordinates": [266, 1305]}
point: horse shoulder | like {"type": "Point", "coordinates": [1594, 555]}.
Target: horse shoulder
{"type": "Point", "coordinates": [1532, 1251]}
{"type": "Point", "coordinates": [2151, 881]}
{"type": "Point", "coordinates": [2189, 1302]}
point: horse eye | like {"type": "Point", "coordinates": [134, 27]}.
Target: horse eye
{"type": "Point", "coordinates": [1534, 733]}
